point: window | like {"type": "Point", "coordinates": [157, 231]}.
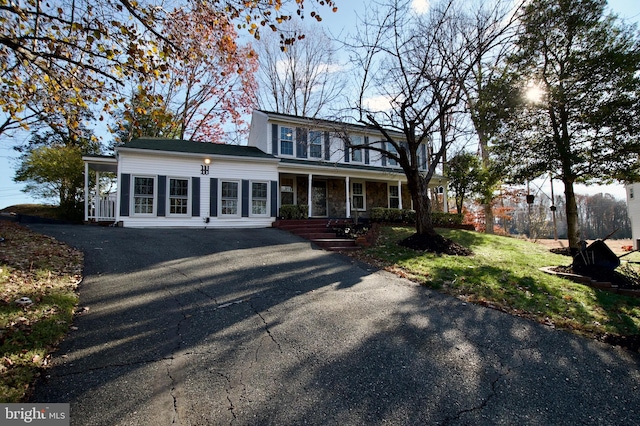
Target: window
{"type": "Point", "coordinates": [315, 144]}
{"type": "Point", "coordinates": [229, 198]}
{"type": "Point", "coordinates": [394, 197]}
{"type": "Point", "coordinates": [357, 196]}
{"type": "Point", "coordinates": [178, 196]}
{"type": "Point", "coordinates": [286, 140]}
{"type": "Point", "coordinates": [259, 198]}
{"type": "Point", "coordinates": [356, 153]}
{"type": "Point", "coordinates": [286, 191]}
{"type": "Point", "coordinates": [392, 149]}
{"type": "Point", "coordinates": [631, 192]}
{"type": "Point", "coordinates": [143, 195]}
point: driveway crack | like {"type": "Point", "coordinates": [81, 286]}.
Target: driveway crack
{"type": "Point", "coordinates": [266, 328]}
{"type": "Point", "coordinates": [172, 393]}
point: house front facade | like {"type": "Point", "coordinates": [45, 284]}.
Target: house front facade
{"type": "Point", "coordinates": [289, 160]}
{"type": "Point", "coordinates": [633, 210]}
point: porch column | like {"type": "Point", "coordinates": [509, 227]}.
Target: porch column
{"type": "Point", "coordinates": [99, 206]}
{"type": "Point", "coordinates": [348, 200]}
{"type": "Point", "coordinates": [400, 194]}
{"type": "Point", "coordinates": [309, 194]}
{"type": "Point", "coordinates": [445, 199]}
{"type": "Point", "coordinates": [86, 191]}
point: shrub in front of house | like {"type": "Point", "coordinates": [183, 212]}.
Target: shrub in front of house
{"type": "Point", "coordinates": [381, 214]}
{"type": "Point", "coordinates": [294, 211]}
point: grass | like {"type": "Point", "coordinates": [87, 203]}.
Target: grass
{"type": "Point", "coordinates": [503, 274]}
{"type": "Point", "coordinates": [41, 210]}
{"type": "Point", "coordinates": [47, 272]}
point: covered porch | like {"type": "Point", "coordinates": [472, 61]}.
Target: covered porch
{"type": "Point", "coordinates": [349, 193]}
{"type": "Point", "coordinates": [99, 198]}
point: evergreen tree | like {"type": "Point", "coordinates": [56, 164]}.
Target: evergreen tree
{"type": "Point", "coordinates": [581, 72]}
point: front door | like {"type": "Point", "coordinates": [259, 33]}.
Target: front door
{"type": "Point", "coordinates": [319, 198]}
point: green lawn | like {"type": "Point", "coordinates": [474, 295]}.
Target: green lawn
{"type": "Point", "coordinates": [503, 273]}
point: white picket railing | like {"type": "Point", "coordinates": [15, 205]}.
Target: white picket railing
{"type": "Point", "coordinates": [103, 208]}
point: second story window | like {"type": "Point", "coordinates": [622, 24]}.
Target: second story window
{"type": "Point", "coordinates": [315, 144]}
{"type": "Point", "coordinates": [356, 151]}
{"type": "Point", "coordinates": [286, 140]}
{"type": "Point", "coordinates": [392, 150]}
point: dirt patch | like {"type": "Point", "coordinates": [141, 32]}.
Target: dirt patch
{"type": "Point", "coordinates": [558, 246]}
{"type": "Point", "coordinates": [435, 244]}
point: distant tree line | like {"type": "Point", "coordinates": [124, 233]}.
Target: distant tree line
{"type": "Point", "coordinates": [598, 215]}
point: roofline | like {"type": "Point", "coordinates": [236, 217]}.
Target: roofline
{"type": "Point", "coordinates": [109, 159]}
{"type": "Point", "coordinates": [200, 155]}
{"type": "Point", "coordinates": [364, 169]}
{"type": "Point", "coordinates": [321, 122]}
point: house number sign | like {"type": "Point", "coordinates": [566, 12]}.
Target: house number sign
{"type": "Point", "coordinates": [204, 169]}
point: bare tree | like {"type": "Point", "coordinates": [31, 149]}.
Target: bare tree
{"type": "Point", "coordinates": [417, 63]}
{"type": "Point", "coordinates": [302, 78]}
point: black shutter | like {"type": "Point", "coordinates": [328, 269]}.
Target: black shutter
{"type": "Point", "coordinates": [366, 150]}
{"type": "Point", "coordinates": [125, 188]}
{"type": "Point", "coordinates": [346, 152]}
{"type": "Point", "coordinates": [195, 196]}
{"type": "Point", "coordinates": [384, 157]}
{"type": "Point", "coordinates": [213, 197]}
{"type": "Point", "coordinates": [327, 146]}
{"type": "Point", "coordinates": [162, 195]}
{"type": "Point", "coordinates": [423, 152]}
{"type": "Point", "coordinates": [274, 139]}
{"type": "Point", "coordinates": [274, 198]}
{"type": "Point", "coordinates": [245, 198]}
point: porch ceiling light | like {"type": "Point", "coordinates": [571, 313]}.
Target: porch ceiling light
{"type": "Point", "coordinates": [207, 161]}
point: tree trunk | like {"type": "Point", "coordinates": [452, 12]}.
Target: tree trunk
{"type": "Point", "coordinates": [571, 209]}
{"type": "Point", "coordinates": [488, 218]}
{"type": "Point", "coordinates": [487, 193]}
{"type": "Point", "coordinates": [422, 206]}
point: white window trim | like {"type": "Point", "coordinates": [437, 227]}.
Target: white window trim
{"type": "Point", "coordinates": [309, 145]}
{"type": "Point", "coordinates": [239, 199]}
{"type": "Point", "coordinates": [293, 141]}
{"type": "Point", "coordinates": [364, 195]}
{"type": "Point", "coordinates": [389, 185]}
{"type": "Point", "coordinates": [268, 199]}
{"type": "Point", "coordinates": [168, 197]}
{"type": "Point", "coordinates": [389, 160]}
{"type": "Point", "coordinates": [293, 186]}
{"type": "Point", "coordinates": [133, 196]}
{"type": "Point", "coordinates": [360, 151]}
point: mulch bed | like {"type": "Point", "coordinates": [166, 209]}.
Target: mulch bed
{"type": "Point", "coordinates": [435, 243]}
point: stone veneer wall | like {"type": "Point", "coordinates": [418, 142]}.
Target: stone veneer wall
{"type": "Point", "coordinates": [337, 197]}
{"type": "Point", "coordinates": [376, 196]}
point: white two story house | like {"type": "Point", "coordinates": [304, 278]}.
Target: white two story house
{"type": "Point", "coordinates": [288, 160]}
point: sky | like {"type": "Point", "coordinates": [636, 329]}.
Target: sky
{"type": "Point", "coordinates": [341, 22]}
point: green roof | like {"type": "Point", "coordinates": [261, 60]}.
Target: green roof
{"type": "Point", "coordinates": [191, 147]}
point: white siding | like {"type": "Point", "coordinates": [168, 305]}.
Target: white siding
{"type": "Point", "coordinates": [633, 206]}
{"type": "Point", "coordinates": [154, 165]}
{"type": "Point", "coordinates": [260, 132]}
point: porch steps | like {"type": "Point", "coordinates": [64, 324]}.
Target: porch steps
{"type": "Point", "coordinates": [320, 232]}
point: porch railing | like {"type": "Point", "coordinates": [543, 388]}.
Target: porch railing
{"type": "Point", "coordinates": [103, 208]}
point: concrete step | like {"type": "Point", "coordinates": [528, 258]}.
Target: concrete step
{"type": "Point", "coordinates": [334, 242]}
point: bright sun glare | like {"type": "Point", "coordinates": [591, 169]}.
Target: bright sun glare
{"type": "Point", "coordinates": [534, 93]}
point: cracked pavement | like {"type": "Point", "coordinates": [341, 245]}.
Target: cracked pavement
{"type": "Point", "coordinates": [257, 327]}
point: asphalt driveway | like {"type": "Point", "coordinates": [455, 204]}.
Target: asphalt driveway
{"type": "Point", "coordinates": [256, 327]}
